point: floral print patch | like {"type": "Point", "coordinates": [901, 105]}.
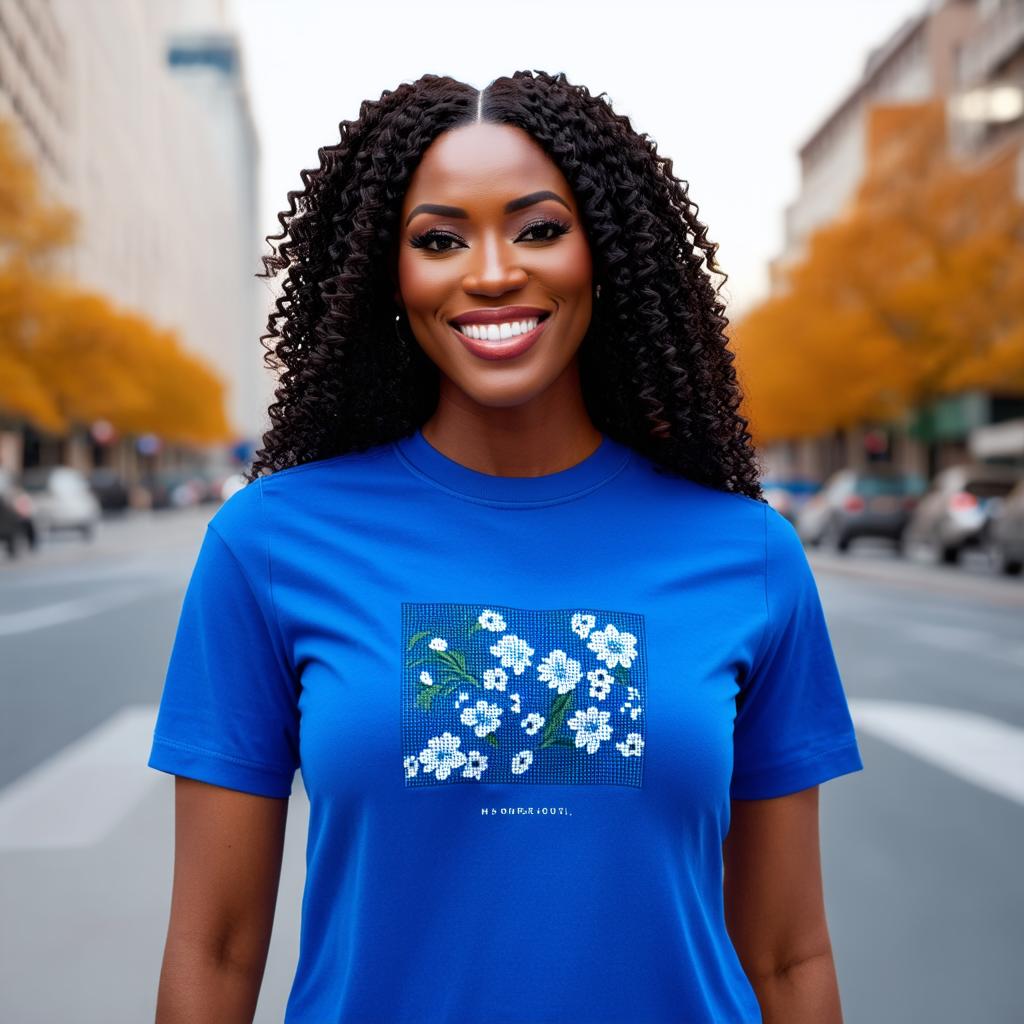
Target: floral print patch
{"type": "Point", "coordinates": [499, 694]}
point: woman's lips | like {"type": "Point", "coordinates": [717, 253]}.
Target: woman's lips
{"type": "Point", "coordinates": [507, 348]}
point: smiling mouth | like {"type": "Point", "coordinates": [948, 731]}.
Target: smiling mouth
{"type": "Point", "coordinates": [504, 331]}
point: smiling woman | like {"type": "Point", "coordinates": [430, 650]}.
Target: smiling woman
{"type": "Point", "coordinates": [443, 202]}
{"type": "Point", "coordinates": [504, 587]}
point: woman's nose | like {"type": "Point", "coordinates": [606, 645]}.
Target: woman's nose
{"type": "Point", "coordinates": [496, 268]}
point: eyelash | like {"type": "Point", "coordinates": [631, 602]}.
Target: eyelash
{"type": "Point", "coordinates": [420, 241]}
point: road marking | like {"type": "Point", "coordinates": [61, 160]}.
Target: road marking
{"type": "Point", "coordinates": [78, 796]}
{"type": "Point", "coordinates": [13, 623]}
{"type": "Point", "coordinates": [938, 636]}
{"type": "Point", "coordinates": [977, 748]}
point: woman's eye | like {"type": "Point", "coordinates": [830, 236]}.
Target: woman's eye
{"type": "Point", "coordinates": [555, 228]}
{"type": "Point", "coordinates": [442, 241]}
{"type": "Point", "coordinates": [425, 241]}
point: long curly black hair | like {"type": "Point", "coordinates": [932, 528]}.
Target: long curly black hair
{"type": "Point", "coordinates": [655, 367]}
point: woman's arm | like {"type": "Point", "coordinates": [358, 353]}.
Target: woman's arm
{"type": "Point", "coordinates": [227, 865]}
{"type": "Point", "coordinates": [775, 909]}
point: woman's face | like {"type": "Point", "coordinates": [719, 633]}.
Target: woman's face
{"type": "Point", "coordinates": [490, 236]}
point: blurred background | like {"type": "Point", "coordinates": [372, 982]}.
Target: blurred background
{"type": "Point", "coordinates": [861, 166]}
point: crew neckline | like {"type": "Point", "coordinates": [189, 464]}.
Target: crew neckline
{"type": "Point", "coordinates": [606, 461]}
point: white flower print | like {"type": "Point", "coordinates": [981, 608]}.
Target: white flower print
{"type": "Point", "coordinates": [631, 745]}
{"type": "Point", "coordinates": [473, 672]}
{"type": "Point", "coordinates": [495, 678]}
{"type": "Point", "coordinates": [442, 756]}
{"type": "Point", "coordinates": [485, 718]}
{"type": "Point", "coordinates": [514, 652]}
{"type": "Point", "coordinates": [600, 683]}
{"type": "Point", "coordinates": [612, 647]}
{"type": "Point", "coordinates": [476, 765]}
{"type": "Point", "coordinates": [582, 624]}
{"type": "Point", "coordinates": [532, 722]}
{"type": "Point", "coordinates": [492, 621]}
{"type": "Point", "coordinates": [559, 671]}
{"type": "Point", "coordinates": [591, 726]}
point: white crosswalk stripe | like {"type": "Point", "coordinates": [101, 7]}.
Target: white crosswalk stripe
{"type": "Point", "coordinates": [977, 748]}
{"type": "Point", "coordinates": [81, 794]}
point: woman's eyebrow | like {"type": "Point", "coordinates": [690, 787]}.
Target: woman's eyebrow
{"type": "Point", "coordinates": [510, 207]}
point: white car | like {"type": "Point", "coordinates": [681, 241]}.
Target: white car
{"type": "Point", "coordinates": [62, 499]}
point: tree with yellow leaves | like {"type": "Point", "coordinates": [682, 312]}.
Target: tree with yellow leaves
{"type": "Point", "coordinates": [916, 291]}
{"type": "Point", "coordinates": [70, 357]}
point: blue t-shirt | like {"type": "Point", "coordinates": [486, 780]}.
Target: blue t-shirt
{"type": "Point", "coordinates": [520, 706]}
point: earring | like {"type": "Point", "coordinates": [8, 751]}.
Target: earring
{"type": "Point", "coordinates": [597, 292]}
{"type": "Point", "coordinates": [398, 332]}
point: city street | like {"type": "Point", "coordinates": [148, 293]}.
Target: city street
{"type": "Point", "coordinates": [920, 851]}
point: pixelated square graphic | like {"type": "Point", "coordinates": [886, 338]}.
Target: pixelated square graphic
{"type": "Point", "coordinates": [493, 693]}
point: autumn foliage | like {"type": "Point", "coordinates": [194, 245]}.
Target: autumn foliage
{"type": "Point", "coordinates": [916, 291]}
{"type": "Point", "coordinates": [68, 357]}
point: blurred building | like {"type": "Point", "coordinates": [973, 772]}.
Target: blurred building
{"type": "Point", "coordinates": [137, 116]}
{"type": "Point", "coordinates": [971, 54]}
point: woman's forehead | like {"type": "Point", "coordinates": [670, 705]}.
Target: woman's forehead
{"type": "Point", "coordinates": [484, 163]}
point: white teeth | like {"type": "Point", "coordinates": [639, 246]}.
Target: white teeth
{"type": "Point", "coordinates": [498, 332]}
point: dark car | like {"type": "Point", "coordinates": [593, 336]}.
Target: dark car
{"type": "Point", "coordinates": [174, 488]}
{"type": "Point", "coordinates": [110, 488]}
{"type": "Point", "coordinates": [1004, 534]}
{"type": "Point", "coordinates": [860, 503]}
{"type": "Point", "coordinates": [954, 514]}
{"type": "Point", "coordinates": [17, 526]}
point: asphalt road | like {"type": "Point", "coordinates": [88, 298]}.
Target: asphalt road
{"type": "Point", "coordinates": [920, 851]}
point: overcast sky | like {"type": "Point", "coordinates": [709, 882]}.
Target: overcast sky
{"type": "Point", "coordinates": [728, 90]}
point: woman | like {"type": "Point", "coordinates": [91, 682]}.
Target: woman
{"type": "Point", "coordinates": [504, 586]}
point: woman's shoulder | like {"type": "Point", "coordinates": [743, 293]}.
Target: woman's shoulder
{"type": "Point", "coordinates": [288, 491]}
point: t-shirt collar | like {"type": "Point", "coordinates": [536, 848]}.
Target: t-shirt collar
{"type": "Point", "coordinates": [605, 462]}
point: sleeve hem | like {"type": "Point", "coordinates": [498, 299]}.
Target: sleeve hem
{"type": "Point", "coordinates": [219, 769]}
{"type": "Point", "coordinates": [797, 775]}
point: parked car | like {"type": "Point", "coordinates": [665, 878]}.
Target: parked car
{"type": "Point", "coordinates": [788, 496]}
{"type": "Point", "coordinates": [17, 524]}
{"type": "Point", "coordinates": [173, 488]}
{"type": "Point", "coordinates": [231, 484]}
{"type": "Point", "coordinates": [109, 487]}
{"type": "Point", "coordinates": [62, 499]}
{"type": "Point", "coordinates": [1003, 537]}
{"type": "Point", "coordinates": [852, 503]}
{"type": "Point", "coordinates": [954, 514]}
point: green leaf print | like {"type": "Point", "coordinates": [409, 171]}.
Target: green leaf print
{"type": "Point", "coordinates": [492, 739]}
{"type": "Point", "coordinates": [560, 707]}
{"type": "Point", "coordinates": [456, 661]}
{"type": "Point", "coordinates": [416, 637]}
{"type": "Point", "coordinates": [621, 674]}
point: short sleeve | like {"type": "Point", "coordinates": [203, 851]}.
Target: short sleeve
{"type": "Point", "coordinates": [228, 713]}
{"type": "Point", "coordinates": [793, 727]}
